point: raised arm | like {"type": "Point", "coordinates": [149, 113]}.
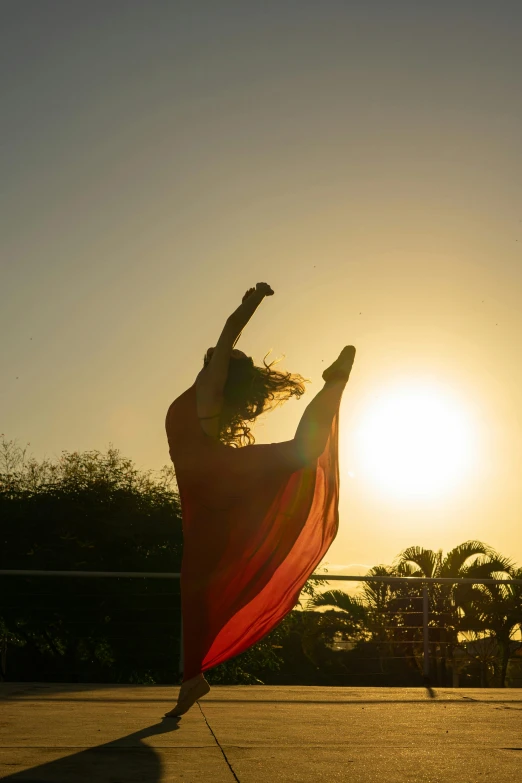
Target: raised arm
{"type": "Point", "coordinates": [215, 375]}
{"type": "Point", "coordinates": [251, 301]}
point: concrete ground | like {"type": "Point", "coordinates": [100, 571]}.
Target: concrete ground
{"type": "Point", "coordinates": [115, 734]}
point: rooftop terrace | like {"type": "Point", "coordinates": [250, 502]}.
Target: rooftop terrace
{"type": "Point", "coordinates": [67, 733]}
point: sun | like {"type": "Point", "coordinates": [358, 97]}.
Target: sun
{"type": "Point", "coordinates": [415, 439]}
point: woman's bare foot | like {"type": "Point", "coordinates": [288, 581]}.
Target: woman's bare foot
{"type": "Point", "coordinates": [340, 369]}
{"type": "Point", "coordinates": [188, 684]}
{"type": "Point", "coordinates": [189, 693]}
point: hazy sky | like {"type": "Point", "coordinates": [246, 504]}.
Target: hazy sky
{"type": "Point", "coordinates": [363, 158]}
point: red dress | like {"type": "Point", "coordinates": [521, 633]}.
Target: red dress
{"type": "Point", "coordinates": [254, 529]}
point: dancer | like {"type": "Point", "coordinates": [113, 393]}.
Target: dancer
{"type": "Point", "coordinates": [257, 518]}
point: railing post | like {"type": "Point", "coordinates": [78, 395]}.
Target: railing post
{"type": "Point", "coordinates": [181, 662]}
{"type": "Point", "coordinates": [425, 612]}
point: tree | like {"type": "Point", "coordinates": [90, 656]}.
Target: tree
{"type": "Point", "coordinates": [90, 512]}
{"type": "Point", "coordinates": [374, 616]}
{"type": "Point", "coordinates": [472, 559]}
{"type": "Point", "coordinates": [390, 615]}
{"type": "Point", "coordinates": [495, 609]}
{"type": "Point", "coordinates": [365, 616]}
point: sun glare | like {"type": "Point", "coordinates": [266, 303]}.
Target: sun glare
{"type": "Point", "coordinates": [415, 440]}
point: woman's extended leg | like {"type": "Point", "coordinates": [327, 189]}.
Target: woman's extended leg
{"type": "Point", "coordinates": [315, 426]}
{"type": "Point", "coordinates": [316, 422]}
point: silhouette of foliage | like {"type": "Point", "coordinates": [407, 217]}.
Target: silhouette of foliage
{"type": "Point", "coordinates": [386, 618]}
{"type": "Point", "coordinates": [88, 512]}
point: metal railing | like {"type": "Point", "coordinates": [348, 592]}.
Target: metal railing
{"type": "Point", "coordinates": [424, 582]}
{"type": "Point", "coordinates": [90, 575]}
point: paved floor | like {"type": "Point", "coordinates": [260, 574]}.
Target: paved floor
{"type": "Point", "coordinates": [115, 734]}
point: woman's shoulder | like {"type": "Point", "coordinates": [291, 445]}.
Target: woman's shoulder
{"type": "Point", "coordinates": [178, 408]}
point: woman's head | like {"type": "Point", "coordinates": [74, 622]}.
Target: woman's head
{"type": "Point", "coordinates": [250, 391]}
{"type": "Point", "coordinates": [236, 354]}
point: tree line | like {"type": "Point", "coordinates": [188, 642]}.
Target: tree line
{"type": "Point", "coordinates": [95, 511]}
{"type": "Point", "coordinates": [472, 627]}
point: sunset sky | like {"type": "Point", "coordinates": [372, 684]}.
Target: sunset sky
{"type": "Point", "coordinates": [363, 158]}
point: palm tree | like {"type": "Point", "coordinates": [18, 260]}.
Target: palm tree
{"type": "Point", "coordinates": [391, 613]}
{"type": "Point", "coordinates": [448, 604]}
{"type": "Point", "coordinates": [354, 612]}
{"type": "Point", "coordinates": [367, 612]}
{"type": "Point", "coordinates": [368, 616]}
{"type": "Point", "coordinates": [497, 609]}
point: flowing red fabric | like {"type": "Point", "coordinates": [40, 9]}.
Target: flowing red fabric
{"type": "Point", "coordinates": [254, 526]}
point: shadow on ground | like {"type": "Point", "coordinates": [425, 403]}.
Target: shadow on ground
{"type": "Point", "coordinates": [139, 763]}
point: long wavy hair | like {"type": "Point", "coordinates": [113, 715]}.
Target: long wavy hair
{"type": "Point", "coordinates": [250, 391]}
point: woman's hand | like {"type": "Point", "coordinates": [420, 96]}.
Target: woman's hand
{"type": "Point", "coordinates": [264, 289]}
{"type": "Point", "coordinates": [261, 288]}
{"type": "Point", "coordinates": [251, 300]}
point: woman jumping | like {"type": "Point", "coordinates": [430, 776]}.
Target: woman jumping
{"type": "Point", "coordinates": [257, 518]}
